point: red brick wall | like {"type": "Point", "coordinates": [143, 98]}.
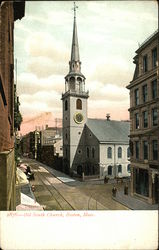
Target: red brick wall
{"type": "Point", "coordinates": [6, 76]}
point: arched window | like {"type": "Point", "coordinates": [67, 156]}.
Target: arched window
{"type": "Point", "coordinates": [119, 168]}
{"type": "Point", "coordinates": [119, 152]}
{"type": "Point", "coordinates": [109, 153]}
{"type": "Point", "coordinates": [128, 152]}
{"type": "Point", "coordinates": [78, 104]}
{"type": "Point", "coordinates": [93, 152]}
{"type": "Point", "coordinates": [66, 105]}
{"type": "Point", "coordinates": [109, 170]}
{"type": "Point", "coordinates": [72, 83]}
{"type": "Point", "coordinates": [128, 168]}
{"type": "Point", "coordinates": [87, 152]}
{"type": "Point", "coordinates": [66, 152]}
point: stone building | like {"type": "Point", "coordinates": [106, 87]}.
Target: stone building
{"type": "Point", "coordinates": [90, 146]}
{"type": "Point", "coordinates": [9, 12]}
{"type": "Point", "coordinates": [144, 116]}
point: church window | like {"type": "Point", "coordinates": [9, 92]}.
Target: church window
{"type": "Point", "coordinates": [66, 135]}
{"type": "Point", "coordinates": [93, 152]}
{"type": "Point", "coordinates": [109, 170]}
{"type": "Point", "coordinates": [66, 105]}
{"type": "Point", "coordinates": [78, 104]}
{"type": "Point", "coordinates": [119, 152]}
{"type": "Point", "coordinates": [109, 153]}
{"type": "Point", "coordinates": [128, 152]}
{"type": "Point", "coordinates": [87, 152]}
{"type": "Point", "coordinates": [119, 168]}
{"type": "Point", "coordinates": [79, 133]}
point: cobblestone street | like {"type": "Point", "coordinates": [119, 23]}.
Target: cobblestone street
{"type": "Point", "coordinates": [65, 193]}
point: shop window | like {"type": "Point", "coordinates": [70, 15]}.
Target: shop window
{"type": "Point", "coordinates": [142, 182]}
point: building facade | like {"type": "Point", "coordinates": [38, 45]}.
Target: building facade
{"type": "Point", "coordinates": [86, 142]}
{"type": "Point", "coordinates": [107, 148]}
{"type": "Point", "coordinates": [9, 12]}
{"type": "Point", "coordinates": [144, 116]}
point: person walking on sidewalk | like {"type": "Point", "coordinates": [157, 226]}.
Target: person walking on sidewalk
{"type": "Point", "coordinates": [114, 190]}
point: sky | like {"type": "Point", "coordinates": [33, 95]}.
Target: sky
{"type": "Point", "coordinates": [109, 33]}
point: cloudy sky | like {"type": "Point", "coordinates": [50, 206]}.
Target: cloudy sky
{"type": "Point", "coordinates": [109, 33]}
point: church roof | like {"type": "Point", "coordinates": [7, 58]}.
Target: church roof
{"type": "Point", "coordinates": [109, 131]}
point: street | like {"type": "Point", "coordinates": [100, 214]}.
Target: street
{"type": "Point", "coordinates": [56, 191]}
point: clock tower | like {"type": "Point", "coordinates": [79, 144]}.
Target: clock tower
{"type": "Point", "coordinates": [74, 110]}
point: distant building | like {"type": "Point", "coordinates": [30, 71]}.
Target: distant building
{"type": "Point", "coordinates": [44, 145]}
{"type": "Point", "coordinates": [90, 146]}
{"type": "Point", "coordinates": [144, 116]}
{"type": "Point", "coordinates": [10, 11]}
{"type": "Point", "coordinates": [49, 134]}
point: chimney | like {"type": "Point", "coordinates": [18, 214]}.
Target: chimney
{"type": "Point", "coordinates": [108, 117]}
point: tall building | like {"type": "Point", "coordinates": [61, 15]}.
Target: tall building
{"type": "Point", "coordinates": [90, 146]}
{"type": "Point", "coordinates": [10, 11]}
{"type": "Point", "coordinates": [144, 116]}
{"type": "Point", "coordinates": [74, 103]}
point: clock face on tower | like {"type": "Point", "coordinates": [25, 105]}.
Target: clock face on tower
{"type": "Point", "coordinates": [78, 117]}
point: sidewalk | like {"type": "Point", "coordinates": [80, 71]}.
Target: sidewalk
{"type": "Point", "coordinates": [132, 202]}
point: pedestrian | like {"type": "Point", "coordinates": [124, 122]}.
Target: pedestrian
{"type": "Point", "coordinates": [126, 189]}
{"type": "Point", "coordinates": [105, 180]}
{"type": "Point", "coordinates": [114, 190]}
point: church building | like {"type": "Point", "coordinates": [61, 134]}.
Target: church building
{"type": "Point", "coordinates": [96, 147]}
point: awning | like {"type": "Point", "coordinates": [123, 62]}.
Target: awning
{"type": "Point", "coordinates": [21, 176]}
{"type": "Point", "coordinates": [28, 203]}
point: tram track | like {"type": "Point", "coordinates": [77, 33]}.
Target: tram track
{"type": "Point", "coordinates": [59, 198]}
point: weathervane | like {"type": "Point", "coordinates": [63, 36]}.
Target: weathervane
{"type": "Point", "coordinates": [74, 8]}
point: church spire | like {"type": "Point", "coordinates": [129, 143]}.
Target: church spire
{"type": "Point", "coordinates": [75, 64]}
{"type": "Point", "coordinates": [75, 47]}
